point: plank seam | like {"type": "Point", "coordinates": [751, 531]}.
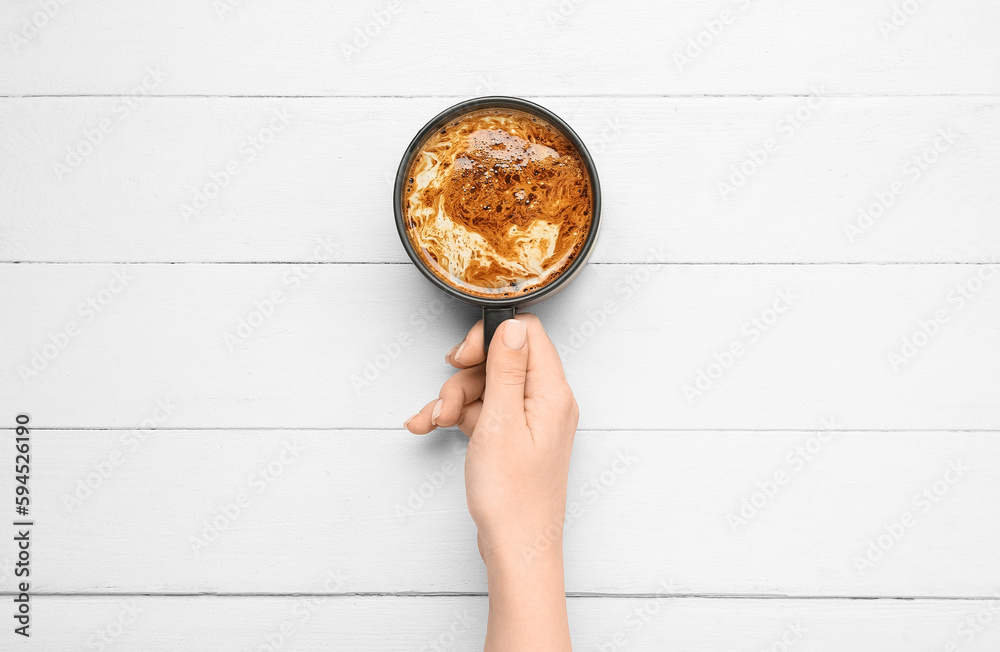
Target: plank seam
{"type": "Point", "coordinates": [830, 263]}
{"type": "Point", "coordinates": [579, 430]}
{"type": "Point", "coordinates": [465, 96]}
{"type": "Point", "coordinates": [475, 594]}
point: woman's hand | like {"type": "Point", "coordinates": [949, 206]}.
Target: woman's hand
{"type": "Point", "coordinates": [521, 416]}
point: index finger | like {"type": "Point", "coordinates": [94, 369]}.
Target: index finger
{"type": "Point", "coordinates": [469, 352]}
{"type": "Point", "coordinates": [543, 358]}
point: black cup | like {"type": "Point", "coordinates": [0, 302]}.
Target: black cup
{"type": "Point", "coordinates": [495, 311]}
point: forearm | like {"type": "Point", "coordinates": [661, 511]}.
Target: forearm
{"type": "Point", "coordinates": [527, 609]}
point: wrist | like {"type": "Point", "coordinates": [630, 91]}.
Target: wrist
{"type": "Point", "coordinates": [524, 570]}
{"type": "Point", "coordinates": [524, 553]}
{"type": "Point", "coordinates": [527, 597]}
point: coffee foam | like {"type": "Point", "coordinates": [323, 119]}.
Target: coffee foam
{"type": "Point", "coordinates": [497, 203]}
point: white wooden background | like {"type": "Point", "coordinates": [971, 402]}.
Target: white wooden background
{"type": "Point", "coordinates": [163, 422]}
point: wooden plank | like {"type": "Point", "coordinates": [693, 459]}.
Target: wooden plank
{"type": "Point", "coordinates": [362, 345]}
{"type": "Point", "coordinates": [519, 47]}
{"type": "Point", "coordinates": [259, 511]}
{"type": "Point", "coordinates": [680, 173]}
{"type": "Point", "coordinates": [458, 623]}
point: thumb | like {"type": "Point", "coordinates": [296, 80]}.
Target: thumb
{"type": "Point", "coordinates": [506, 370]}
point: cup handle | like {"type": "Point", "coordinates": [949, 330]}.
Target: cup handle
{"type": "Point", "coordinates": [492, 318]}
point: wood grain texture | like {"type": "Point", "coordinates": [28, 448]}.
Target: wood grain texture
{"type": "Point", "coordinates": [361, 346]}
{"type": "Point", "coordinates": [217, 334]}
{"type": "Point", "coordinates": [458, 623]}
{"type": "Point", "coordinates": [706, 179]}
{"type": "Point", "coordinates": [262, 511]}
{"type": "Point", "coordinates": [565, 47]}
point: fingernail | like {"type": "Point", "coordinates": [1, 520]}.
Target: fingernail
{"type": "Point", "coordinates": [514, 334]}
{"type": "Point", "coordinates": [458, 353]}
{"type": "Point", "coordinates": [437, 411]}
{"type": "Point", "coordinates": [407, 422]}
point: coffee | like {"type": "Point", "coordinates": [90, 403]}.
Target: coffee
{"type": "Point", "coordinates": [497, 203]}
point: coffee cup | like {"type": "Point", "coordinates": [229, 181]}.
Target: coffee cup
{"type": "Point", "coordinates": [498, 308]}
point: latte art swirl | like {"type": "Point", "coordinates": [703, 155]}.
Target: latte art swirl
{"type": "Point", "coordinates": [497, 203]}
